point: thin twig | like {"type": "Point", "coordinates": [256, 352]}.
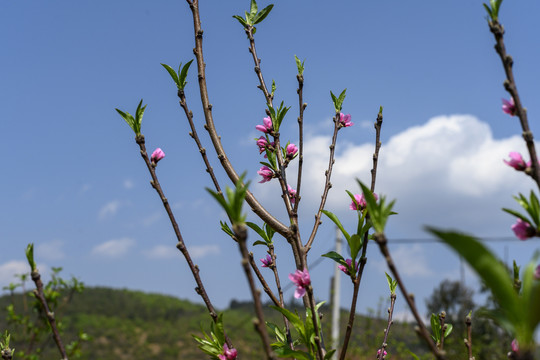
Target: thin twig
{"type": "Point", "coordinates": [381, 240]}
{"type": "Point", "coordinates": [256, 207]}
{"type": "Point", "coordinates": [442, 318]}
{"type": "Point", "coordinates": [327, 185]}
{"type": "Point", "coordinates": [302, 106]}
{"type": "Point", "coordinates": [263, 282]}
{"type": "Point", "coordinates": [260, 325]}
{"type": "Point", "coordinates": [510, 85]}
{"type": "Point", "coordinates": [382, 349]}
{"type": "Point", "coordinates": [468, 340]}
{"type": "Point", "coordinates": [180, 245]}
{"type": "Point", "coordinates": [38, 292]}
{"type": "Point", "coordinates": [363, 259]}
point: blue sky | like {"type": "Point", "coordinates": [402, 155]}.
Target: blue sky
{"type": "Point", "coordinates": [75, 185]}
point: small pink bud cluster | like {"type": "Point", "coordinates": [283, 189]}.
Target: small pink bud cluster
{"type": "Point", "coordinates": [292, 193]}
{"type": "Point", "coordinates": [345, 120]}
{"type": "Point", "coordinates": [523, 230]}
{"type": "Point", "coordinates": [360, 203]}
{"type": "Point", "coordinates": [515, 346]}
{"type": "Point", "coordinates": [266, 173]}
{"type": "Point", "coordinates": [516, 161]}
{"type": "Point", "coordinates": [379, 353]}
{"type": "Point", "coordinates": [228, 354]}
{"type": "Point", "coordinates": [345, 269]}
{"type": "Point", "coordinates": [266, 127]}
{"type": "Point", "coordinates": [509, 107]}
{"type": "Point", "coordinates": [157, 155]}
{"type": "Point", "coordinates": [267, 261]}
{"type": "Point", "coordinates": [302, 280]}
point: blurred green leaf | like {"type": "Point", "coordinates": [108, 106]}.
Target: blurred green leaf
{"type": "Point", "coordinates": [336, 221]}
{"type": "Point", "coordinates": [30, 256]}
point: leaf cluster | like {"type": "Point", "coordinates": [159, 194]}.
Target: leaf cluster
{"type": "Point", "coordinates": [266, 233]}
{"type": "Point", "coordinates": [436, 329]}
{"type": "Point", "coordinates": [493, 9]}
{"type": "Point", "coordinates": [254, 16]}
{"type": "Point", "coordinates": [232, 203]}
{"type": "Point", "coordinates": [531, 206]}
{"type": "Point", "coordinates": [180, 77]}
{"type": "Point", "coordinates": [134, 122]}
{"type": "Point", "coordinates": [212, 344]}
{"type": "Point", "coordinates": [338, 101]}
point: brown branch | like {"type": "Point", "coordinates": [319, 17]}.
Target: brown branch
{"type": "Point", "coordinates": [510, 85]}
{"type": "Point", "coordinates": [256, 207]}
{"type": "Point", "coordinates": [363, 259]}
{"type": "Point", "coordinates": [263, 282]}
{"type": "Point", "coordinates": [468, 340]}
{"type": "Point", "coordinates": [180, 245]}
{"type": "Point", "coordinates": [38, 292]}
{"type": "Point", "coordinates": [382, 349]}
{"type": "Point", "coordinates": [381, 240]}
{"type": "Point", "coordinates": [442, 318]}
{"type": "Point", "coordinates": [260, 325]}
{"type": "Point", "coordinates": [327, 184]}
{"type": "Point", "coordinates": [302, 107]}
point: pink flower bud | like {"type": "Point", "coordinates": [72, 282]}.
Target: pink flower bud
{"type": "Point", "coordinates": [302, 280]}
{"type": "Point", "coordinates": [228, 354]}
{"type": "Point", "coordinates": [267, 261]}
{"type": "Point", "coordinates": [345, 120]}
{"type": "Point", "coordinates": [360, 203]}
{"type": "Point", "coordinates": [345, 269]}
{"type": "Point", "coordinates": [509, 107]}
{"type": "Point", "coordinates": [516, 161]}
{"type": "Point", "coordinates": [379, 353]}
{"type": "Point", "coordinates": [261, 143]}
{"type": "Point", "coordinates": [266, 127]}
{"type": "Point", "coordinates": [291, 150]}
{"type": "Point", "coordinates": [266, 173]}
{"type": "Point", "coordinates": [523, 230]}
{"type": "Point", "coordinates": [515, 346]}
{"type": "Point", "coordinates": [157, 155]}
{"type": "Point", "coordinates": [292, 193]}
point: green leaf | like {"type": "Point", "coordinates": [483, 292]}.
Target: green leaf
{"type": "Point", "coordinates": [336, 221]}
{"type": "Point", "coordinates": [413, 355]}
{"type": "Point", "coordinates": [449, 328]}
{"type": "Point", "coordinates": [292, 317]}
{"type": "Point", "coordinates": [329, 354]}
{"type": "Point", "coordinates": [355, 243]}
{"type": "Point", "coordinates": [262, 14]}
{"type": "Point", "coordinates": [259, 242]}
{"type": "Point", "coordinates": [138, 117]}
{"type": "Point", "coordinates": [253, 8]}
{"type": "Point", "coordinates": [241, 20]}
{"type": "Point", "coordinates": [30, 256]}
{"type": "Point", "coordinates": [226, 229]}
{"type": "Point", "coordinates": [490, 270]}
{"type": "Point", "coordinates": [183, 74]}
{"type": "Point", "coordinates": [288, 353]}
{"type": "Point", "coordinates": [173, 74]}
{"type": "Point", "coordinates": [300, 66]}
{"type": "Point", "coordinates": [128, 118]}
{"type": "Point", "coordinates": [435, 328]}
{"type": "Point", "coordinates": [258, 230]}
{"type": "Point", "coordinates": [517, 214]}
{"type": "Point", "coordinates": [392, 284]}
{"type": "Point", "coordinates": [335, 256]}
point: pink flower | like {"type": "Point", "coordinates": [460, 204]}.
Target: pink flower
{"type": "Point", "coordinates": [266, 173]}
{"type": "Point", "coordinates": [509, 107]}
{"type": "Point", "coordinates": [228, 354]}
{"type": "Point", "coordinates": [523, 230]}
{"type": "Point", "coordinates": [515, 346]}
{"type": "Point", "coordinates": [266, 127]}
{"type": "Point", "coordinates": [379, 353]}
{"type": "Point", "coordinates": [537, 273]}
{"type": "Point", "coordinates": [291, 150]}
{"type": "Point", "coordinates": [360, 202]}
{"type": "Point", "coordinates": [262, 143]}
{"type": "Point", "coordinates": [267, 261]}
{"type": "Point", "coordinates": [345, 269]}
{"type": "Point", "coordinates": [516, 161]}
{"type": "Point", "coordinates": [157, 155]}
{"type": "Point", "coordinates": [345, 120]}
{"type": "Point", "coordinates": [292, 193]}
{"type": "Point", "coordinates": [302, 280]}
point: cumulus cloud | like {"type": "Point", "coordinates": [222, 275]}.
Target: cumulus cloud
{"type": "Point", "coordinates": [448, 171]}
{"type": "Point", "coordinates": [109, 209]}
{"type": "Point", "coordinates": [410, 260]}
{"type": "Point", "coordinates": [196, 252]}
{"type": "Point", "coordinates": [9, 269]}
{"type": "Point", "coordinates": [113, 248]}
{"type": "Point", "coordinates": [51, 250]}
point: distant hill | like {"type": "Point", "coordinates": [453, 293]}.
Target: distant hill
{"type": "Point", "coordinates": [133, 325]}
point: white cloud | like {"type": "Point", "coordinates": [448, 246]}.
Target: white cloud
{"type": "Point", "coordinates": [446, 172]}
{"type": "Point", "coordinates": [9, 269]}
{"type": "Point", "coordinates": [169, 251]}
{"type": "Point", "coordinates": [109, 209]}
{"type": "Point", "coordinates": [409, 259]}
{"type": "Point", "coordinates": [152, 218]}
{"type": "Point", "coordinates": [113, 248]}
{"type": "Point", "coordinates": [50, 250]}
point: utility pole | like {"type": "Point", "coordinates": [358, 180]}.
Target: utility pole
{"type": "Point", "coordinates": [336, 292]}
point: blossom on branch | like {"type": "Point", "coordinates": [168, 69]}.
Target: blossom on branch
{"type": "Point", "coordinates": [292, 193]}
{"type": "Point", "coordinates": [266, 173]}
{"type": "Point", "coordinates": [360, 203]}
{"type": "Point", "coordinates": [291, 150]}
{"type": "Point", "coordinates": [523, 230]}
{"type": "Point", "coordinates": [157, 155]}
{"type": "Point", "coordinates": [267, 261]}
{"type": "Point", "coordinates": [345, 269]}
{"type": "Point", "coordinates": [516, 161]}
{"type": "Point", "coordinates": [345, 120]}
{"type": "Point", "coordinates": [302, 280]}
{"type": "Point", "coordinates": [228, 354]}
{"type": "Point", "coordinates": [509, 107]}
{"type": "Point", "coordinates": [266, 127]}
{"type": "Point", "coordinates": [379, 353]}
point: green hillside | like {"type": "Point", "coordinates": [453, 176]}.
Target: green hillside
{"type": "Point", "coordinates": [125, 324]}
